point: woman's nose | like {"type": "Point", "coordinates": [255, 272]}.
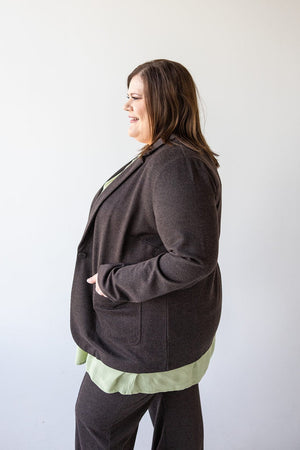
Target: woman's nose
{"type": "Point", "coordinates": [127, 106]}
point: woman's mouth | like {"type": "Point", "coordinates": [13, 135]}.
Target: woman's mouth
{"type": "Point", "coordinates": [133, 119]}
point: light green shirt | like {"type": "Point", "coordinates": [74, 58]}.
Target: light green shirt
{"type": "Point", "coordinates": [111, 380]}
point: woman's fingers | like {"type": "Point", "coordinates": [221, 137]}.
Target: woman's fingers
{"type": "Point", "coordinates": [93, 280]}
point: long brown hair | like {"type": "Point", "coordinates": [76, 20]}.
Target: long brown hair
{"type": "Point", "coordinates": [172, 105]}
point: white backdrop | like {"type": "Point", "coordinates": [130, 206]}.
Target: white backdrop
{"type": "Point", "coordinates": [63, 133]}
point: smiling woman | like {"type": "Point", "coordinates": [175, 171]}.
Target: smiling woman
{"type": "Point", "coordinates": [136, 106]}
{"type": "Point", "coordinates": [145, 322]}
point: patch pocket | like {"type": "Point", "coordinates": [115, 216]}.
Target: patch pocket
{"type": "Point", "coordinates": [120, 323]}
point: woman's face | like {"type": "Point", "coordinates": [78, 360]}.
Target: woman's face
{"type": "Point", "coordinates": [139, 127]}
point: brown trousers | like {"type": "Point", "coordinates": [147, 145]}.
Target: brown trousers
{"type": "Point", "coordinates": [110, 421]}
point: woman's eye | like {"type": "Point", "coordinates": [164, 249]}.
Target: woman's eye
{"type": "Point", "coordinates": [133, 98]}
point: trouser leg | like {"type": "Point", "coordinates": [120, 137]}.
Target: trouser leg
{"type": "Point", "coordinates": [107, 421]}
{"type": "Point", "coordinates": [177, 420]}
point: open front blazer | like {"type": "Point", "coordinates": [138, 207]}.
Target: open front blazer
{"type": "Point", "coordinates": [152, 236]}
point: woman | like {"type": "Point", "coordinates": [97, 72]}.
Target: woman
{"type": "Point", "coordinates": [146, 295]}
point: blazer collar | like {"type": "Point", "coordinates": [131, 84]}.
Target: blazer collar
{"type": "Point", "coordinates": [158, 144]}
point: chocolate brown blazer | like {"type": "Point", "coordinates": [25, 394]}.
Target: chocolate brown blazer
{"type": "Point", "coordinates": [152, 236]}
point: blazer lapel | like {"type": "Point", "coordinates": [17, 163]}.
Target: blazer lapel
{"type": "Point", "coordinates": [101, 196]}
{"type": "Point", "coordinates": [122, 177]}
{"type": "Point", "coordinates": [114, 175]}
{"type": "Point", "coordinates": [116, 183]}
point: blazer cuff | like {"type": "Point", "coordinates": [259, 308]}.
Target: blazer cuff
{"type": "Point", "coordinates": [103, 273]}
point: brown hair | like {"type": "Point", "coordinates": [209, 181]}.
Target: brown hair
{"type": "Point", "coordinates": [172, 105]}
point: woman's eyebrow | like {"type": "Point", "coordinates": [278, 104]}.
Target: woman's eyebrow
{"type": "Point", "coordinates": [133, 93]}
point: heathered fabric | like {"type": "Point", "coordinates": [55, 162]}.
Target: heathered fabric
{"type": "Point", "coordinates": [152, 237]}
{"type": "Point", "coordinates": [110, 421]}
{"type": "Point", "coordinates": [111, 380]}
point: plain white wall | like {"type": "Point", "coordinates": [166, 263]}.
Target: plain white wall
{"type": "Point", "coordinates": [63, 133]}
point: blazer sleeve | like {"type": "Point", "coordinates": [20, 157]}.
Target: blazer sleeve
{"type": "Point", "coordinates": [185, 206]}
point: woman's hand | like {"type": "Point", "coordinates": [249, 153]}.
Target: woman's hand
{"type": "Point", "coordinates": [93, 280]}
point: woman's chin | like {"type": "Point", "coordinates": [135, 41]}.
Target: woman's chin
{"type": "Point", "coordinates": [137, 136]}
{"type": "Point", "coordinates": [134, 135]}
